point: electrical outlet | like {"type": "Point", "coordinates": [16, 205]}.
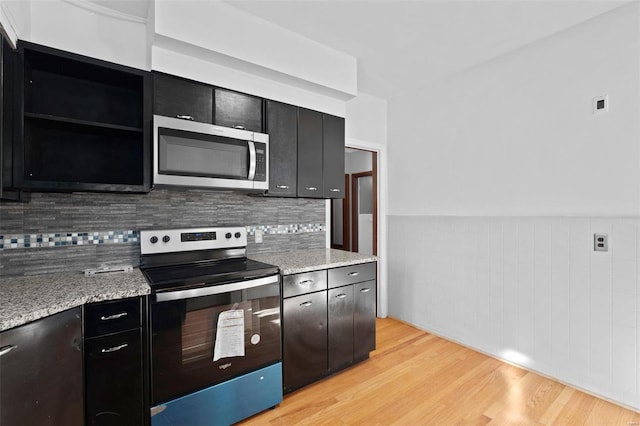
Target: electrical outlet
{"type": "Point", "coordinates": [258, 236]}
{"type": "Point", "coordinates": [600, 242]}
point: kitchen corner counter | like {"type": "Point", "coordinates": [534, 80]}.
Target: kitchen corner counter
{"type": "Point", "coordinates": [28, 298]}
{"type": "Point", "coordinates": [295, 262]}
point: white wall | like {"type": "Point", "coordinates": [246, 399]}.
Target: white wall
{"type": "Point", "coordinates": [367, 119]}
{"type": "Point", "coordinates": [499, 176]}
{"type": "Point", "coordinates": [517, 135]}
{"type": "Point", "coordinates": [258, 45]}
{"type": "Point", "coordinates": [90, 30]}
{"type": "Point", "coordinates": [14, 19]}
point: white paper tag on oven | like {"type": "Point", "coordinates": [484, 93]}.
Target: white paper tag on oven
{"type": "Point", "coordinates": [229, 334]}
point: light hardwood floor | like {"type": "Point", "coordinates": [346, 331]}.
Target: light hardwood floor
{"type": "Point", "coordinates": [415, 378]}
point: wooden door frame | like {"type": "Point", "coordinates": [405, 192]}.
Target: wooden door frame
{"type": "Point", "coordinates": [354, 205]}
{"type": "Point", "coordinates": [346, 218]}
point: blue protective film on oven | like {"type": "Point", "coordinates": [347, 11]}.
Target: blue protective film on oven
{"type": "Point", "coordinates": [225, 403]}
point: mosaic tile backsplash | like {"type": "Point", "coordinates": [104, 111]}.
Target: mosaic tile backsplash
{"type": "Point", "coordinates": [63, 232]}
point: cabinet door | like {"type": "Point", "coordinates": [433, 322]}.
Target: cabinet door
{"type": "Point", "coordinates": [310, 153]}
{"type": "Point", "coordinates": [333, 157]}
{"type": "Point", "coordinates": [41, 372]}
{"type": "Point", "coordinates": [364, 319]}
{"type": "Point", "coordinates": [177, 97]}
{"type": "Point", "coordinates": [304, 331]}
{"type": "Point", "coordinates": [340, 319]}
{"type": "Point", "coordinates": [113, 379]}
{"type": "Point", "coordinates": [233, 109]}
{"type": "Point", "coordinates": [282, 126]}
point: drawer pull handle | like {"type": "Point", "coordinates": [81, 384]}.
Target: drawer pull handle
{"type": "Point", "coordinates": [239, 127]}
{"type": "Point", "coordinates": [6, 349]}
{"type": "Point", "coordinates": [282, 186]}
{"type": "Point", "coordinates": [305, 282]}
{"type": "Point", "coordinates": [334, 190]}
{"type": "Point", "coordinates": [308, 303]}
{"type": "Point", "coordinates": [185, 117]}
{"type": "Point", "coordinates": [365, 290]}
{"type": "Point", "coordinates": [114, 349]}
{"type": "Point", "coordinates": [114, 316]}
{"type": "Point", "coordinates": [341, 296]}
{"type": "Point", "coordinates": [311, 188]}
{"type": "Point", "coordinates": [354, 274]}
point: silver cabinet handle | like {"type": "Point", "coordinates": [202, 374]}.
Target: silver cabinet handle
{"type": "Point", "coordinates": [311, 188]}
{"type": "Point", "coordinates": [305, 282]}
{"type": "Point", "coordinates": [365, 290]}
{"type": "Point", "coordinates": [114, 349]}
{"type": "Point", "coordinates": [334, 190]}
{"type": "Point", "coordinates": [341, 296]}
{"type": "Point", "coordinates": [114, 316]}
{"type": "Point", "coordinates": [6, 349]}
{"type": "Point", "coordinates": [239, 127]}
{"type": "Point", "coordinates": [354, 274]}
{"type": "Point", "coordinates": [185, 117]}
{"type": "Point", "coordinates": [282, 186]}
{"type": "Point", "coordinates": [308, 303]}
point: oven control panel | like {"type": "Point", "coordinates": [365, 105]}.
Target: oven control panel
{"type": "Point", "coordinates": [189, 239]}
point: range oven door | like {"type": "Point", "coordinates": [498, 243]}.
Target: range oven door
{"type": "Point", "coordinates": [189, 153]}
{"type": "Point", "coordinates": [204, 336]}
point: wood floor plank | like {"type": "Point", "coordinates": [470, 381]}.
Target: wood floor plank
{"type": "Point", "coordinates": [415, 377]}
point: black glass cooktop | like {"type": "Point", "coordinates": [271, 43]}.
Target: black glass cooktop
{"type": "Point", "coordinates": [202, 274]}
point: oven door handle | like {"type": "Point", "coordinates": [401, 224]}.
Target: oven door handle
{"type": "Point", "coordinates": [216, 289]}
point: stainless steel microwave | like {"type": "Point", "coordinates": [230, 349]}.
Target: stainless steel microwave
{"type": "Point", "coordinates": [189, 153]}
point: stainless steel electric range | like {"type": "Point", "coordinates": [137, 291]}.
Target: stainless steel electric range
{"type": "Point", "coordinates": [215, 340]}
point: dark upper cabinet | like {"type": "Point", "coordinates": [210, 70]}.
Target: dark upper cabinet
{"type": "Point", "coordinates": [180, 98]}
{"type": "Point", "coordinates": [320, 155]}
{"type": "Point", "coordinates": [309, 153]}
{"type": "Point", "coordinates": [238, 110]}
{"type": "Point", "coordinates": [282, 127]}
{"type": "Point", "coordinates": [84, 125]}
{"type": "Point", "coordinates": [333, 157]}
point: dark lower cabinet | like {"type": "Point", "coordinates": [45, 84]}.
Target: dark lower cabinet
{"type": "Point", "coordinates": [114, 363]}
{"type": "Point", "coordinates": [331, 326]}
{"type": "Point", "coordinates": [304, 331]}
{"type": "Point", "coordinates": [364, 319]}
{"type": "Point", "coordinates": [41, 372]}
{"type": "Point", "coordinates": [341, 344]}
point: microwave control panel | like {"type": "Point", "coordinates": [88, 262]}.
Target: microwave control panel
{"type": "Point", "coordinates": [261, 162]}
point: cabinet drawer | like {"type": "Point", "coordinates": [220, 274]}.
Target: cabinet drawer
{"type": "Point", "coordinates": [110, 317]}
{"type": "Point", "coordinates": [307, 282]}
{"type": "Point", "coordinates": [352, 274]}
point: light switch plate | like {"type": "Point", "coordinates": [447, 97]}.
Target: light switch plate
{"type": "Point", "coordinates": [258, 236]}
{"type": "Point", "coordinates": [600, 104]}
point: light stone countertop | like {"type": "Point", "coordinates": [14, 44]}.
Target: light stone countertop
{"type": "Point", "coordinates": [295, 262]}
{"type": "Point", "coordinates": [27, 298]}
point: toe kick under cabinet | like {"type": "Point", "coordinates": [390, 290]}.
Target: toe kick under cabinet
{"type": "Point", "coordinates": [328, 321]}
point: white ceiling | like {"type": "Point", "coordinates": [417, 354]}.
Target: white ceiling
{"type": "Point", "coordinates": [403, 44]}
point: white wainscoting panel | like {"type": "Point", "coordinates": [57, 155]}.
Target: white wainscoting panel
{"type": "Point", "coordinates": [528, 290]}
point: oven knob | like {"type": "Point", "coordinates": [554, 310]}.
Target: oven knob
{"type": "Point", "coordinates": [228, 235]}
{"type": "Point", "coordinates": [237, 235]}
{"type": "Point", "coordinates": [165, 239]}
{"type": "Point", "coordinates": [154, 239]}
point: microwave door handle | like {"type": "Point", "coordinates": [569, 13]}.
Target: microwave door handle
{"type": "Point", "coordinates": [252, 160]}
